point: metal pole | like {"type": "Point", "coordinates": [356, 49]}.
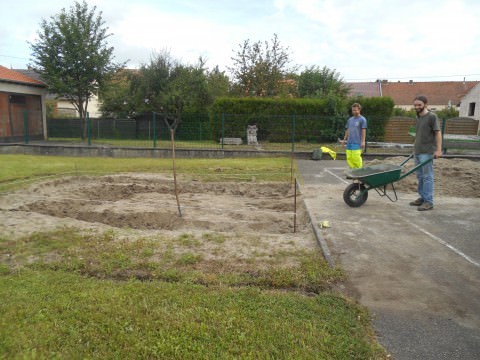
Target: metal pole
{"type": "Point", "coordinates": [172, 137]}
{"type": "Point", "coordinates": [295, 208]}
{"type": "Point", "coordinates": [89, 129]}
{"type": "Point", "coordinates": [444, 126]}
{"type": "Point", "coordinates": [154, 129]}
{"type": "Point", "coordinates": [223, 128]}
{"type": "Point", "coordinates": [293, 149]}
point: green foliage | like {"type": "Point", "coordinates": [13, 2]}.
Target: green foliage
{"type": "Point", "coordinates": [258, 69]}
{"type": "Point", "coordinates": [165, 86]}
{"type": "Point", "coordinates": [447, 113]}
{"type": "Point", "coordinates": [402, 112]}
{"type": "Point", "coordinates": [115, 96]}
{"type": "Point", "coordinates": [73, 56]}
{"type": "Point", "coordinates": [314, 82]}
{"type": "Point", "coordinates": [312, 119]}
{"type": "Point", "coordinates": [377, 111]}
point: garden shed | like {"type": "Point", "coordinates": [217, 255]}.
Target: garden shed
{"type": "Point", "coordinates": [22, 107]}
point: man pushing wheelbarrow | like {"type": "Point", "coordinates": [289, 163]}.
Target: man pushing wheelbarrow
{"type": "Point", "coordinates": [427, 146]}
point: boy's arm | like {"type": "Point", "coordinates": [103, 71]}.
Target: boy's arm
{"type": "Point", "coordinates": [345, 138]}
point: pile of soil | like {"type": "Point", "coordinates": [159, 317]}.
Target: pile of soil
{"type": "Point", "coordinates": [453, 177]}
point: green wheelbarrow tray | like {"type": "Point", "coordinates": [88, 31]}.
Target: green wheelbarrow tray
{"type": "Point", "coordinates": [376, 177]}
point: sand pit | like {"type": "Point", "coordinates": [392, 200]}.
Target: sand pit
{"type": "Point", "coordinates": [146, 204]}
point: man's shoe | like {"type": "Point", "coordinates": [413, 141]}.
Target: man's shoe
{"type": "Point", "coordinates": [425, 206]}
{"type": "Point", "coordinates": [417, 202]}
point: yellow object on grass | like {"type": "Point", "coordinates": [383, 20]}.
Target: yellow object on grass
{"type": "Point", "coordinates": [332, 153]}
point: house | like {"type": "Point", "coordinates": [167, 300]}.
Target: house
{"type": "Point", "coordinates": [22, 106]}
{"type": "Point", "coordinates": [63, 106]}
{"type": "Point", "coordinates": [440, 94]}
{"type": "Point", "coordinates": [364, 89]}
{"type": "Point", "coordinates": [470, 105]}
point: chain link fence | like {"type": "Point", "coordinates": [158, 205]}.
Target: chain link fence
{"type": "Point", "coordinates": [286, 133]}
{"type": "Point", "coordinates": [204, 131]}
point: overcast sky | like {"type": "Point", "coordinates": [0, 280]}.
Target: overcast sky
{"type": "Point", "coordinates": [363, 40]}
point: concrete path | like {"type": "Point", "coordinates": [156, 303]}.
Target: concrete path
{"type": "Point", "coordinates": [417, 272]}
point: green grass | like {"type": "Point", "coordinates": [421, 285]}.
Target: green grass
{"type": "Point", "coordinates": [75, 294]}
{"type": "Point", "coordinates": [18, 170]}
{"type": "Point", "coordinates": [66, 316]}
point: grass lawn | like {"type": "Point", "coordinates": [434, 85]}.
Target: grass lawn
{"type": "Point", "coordinates": [76, 294]}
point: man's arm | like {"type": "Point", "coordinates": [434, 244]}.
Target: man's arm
{"type": "Point", "coordinates": [364, 135]}
{"type": "Point", "coordinates": [438, 141]}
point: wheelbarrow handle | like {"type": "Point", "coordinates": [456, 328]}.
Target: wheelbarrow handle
{"type": "Point", "coordinates": [414, 168]}
{"type": "Point", "coordinates": [408, 158]}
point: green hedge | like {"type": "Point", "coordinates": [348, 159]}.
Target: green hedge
{"type": "Point", "coordinates": [377, 110]}
{"type": "Point", "coordinates": [285, 120]}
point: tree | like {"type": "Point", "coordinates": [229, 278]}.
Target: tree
{"type": "Point", "coordinates": [257, 69]}
{"type": "Point", "coordinates": [115, 95]}
{"type": "Point", "coordinates": [218, 83]}
{"type": "Point", "coordinates": [314, 82]}
{"type": "Point", "coordinates": [73, 57]}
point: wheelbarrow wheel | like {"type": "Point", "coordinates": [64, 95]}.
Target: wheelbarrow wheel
{"type": "Point", "coordinates": [355, 195]}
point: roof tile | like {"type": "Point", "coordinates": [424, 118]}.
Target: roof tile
{"type": "Point", "coordinates": [8, 75]}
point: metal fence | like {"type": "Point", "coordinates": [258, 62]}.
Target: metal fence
{"type": "Point", "coordinates": [204, 131]}
{"type": "Point", "coordinates": [207, 131]}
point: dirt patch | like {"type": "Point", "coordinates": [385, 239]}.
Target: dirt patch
{"type": "Point", "coordinates": [145, 205]}
{"type": "Point", "coordinates": [453, 177]}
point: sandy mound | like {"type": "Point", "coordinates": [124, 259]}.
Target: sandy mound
{"type": "Point", "coordinates": [453, 177]}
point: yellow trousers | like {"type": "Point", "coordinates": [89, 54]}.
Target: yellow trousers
{"type": "Point", "coordinates": [354, 158]}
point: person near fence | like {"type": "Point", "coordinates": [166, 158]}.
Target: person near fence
{"type": "Point", "coordinates": [427, 146]}
{"type": "Point", "coordinates": [355, 134]}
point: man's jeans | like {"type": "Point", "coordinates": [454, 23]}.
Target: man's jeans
{"type": "Point", "coordinates": [425, 177]}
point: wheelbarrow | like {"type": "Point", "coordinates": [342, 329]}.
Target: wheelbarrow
{"type": "Point", "coordinates": [376, 177]}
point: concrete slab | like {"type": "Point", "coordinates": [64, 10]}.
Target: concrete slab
{"type": "Point", "coordinates": [417, 272]}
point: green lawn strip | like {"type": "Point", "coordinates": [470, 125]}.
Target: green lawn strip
{"type": "Point", "coordinates": [56, 314]}
{"type": "Point", "coordinates": [18, 170]}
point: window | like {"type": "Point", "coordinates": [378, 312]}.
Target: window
{"type": "Point", "coordinates": [18, 99]}
{"type": "Point", "coordinates": [471, 109]}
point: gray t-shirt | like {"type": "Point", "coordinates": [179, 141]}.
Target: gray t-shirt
{"type": "Point", "coordinates": [425, 133]}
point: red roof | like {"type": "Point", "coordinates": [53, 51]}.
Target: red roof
{"type": "Point", "coordinates": [7, 75]}
{"type": "Point", "coordinates": [437, 92]}
{"type": "Point", "coordinates": [367, 89]}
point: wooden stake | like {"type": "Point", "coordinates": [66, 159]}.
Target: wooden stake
{"type": "Point", "coordinates": [172, 137]}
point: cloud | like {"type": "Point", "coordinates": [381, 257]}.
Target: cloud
{"type": "Point", "coordinates": [361, 39]}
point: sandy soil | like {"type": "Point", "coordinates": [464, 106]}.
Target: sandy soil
{"type": "Point", "coordinates": [255, 216]}
{"type": "Point", "coordinates": [453, 177]}
{"type": "Point", "coordinates": [146, 204]}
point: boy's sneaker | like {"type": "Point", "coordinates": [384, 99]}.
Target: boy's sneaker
{"type": "Point", "coordinates": [425, 206]}
{"type": "Point", "coordinates": [417, 202]}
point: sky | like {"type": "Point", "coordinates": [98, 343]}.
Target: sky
{"type": "Point", "coordinates": [362, 40]}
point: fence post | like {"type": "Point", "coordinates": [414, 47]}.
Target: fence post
{"type": "Point", "coordinates": [89, 130]}
{"type": "Point", "coordinates": [154, 129]}
{"type": "Point", "coordinates": [223, 128]}
{"type": "Point", "coordinates": [444, 126]}
{"type": "Point", "coordinates": [25, 127]}
{"type": "Point", "coordinates": [293, 133]}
